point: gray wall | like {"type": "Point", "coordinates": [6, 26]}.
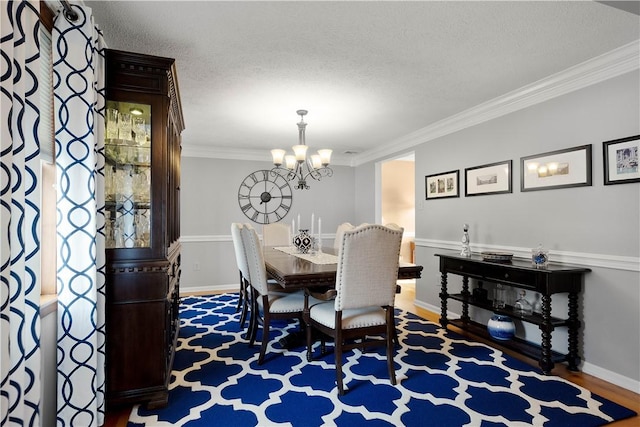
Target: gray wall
{"type": "Point", "coordinates": [209, 204]}
{"type": "Point", "coordinates": [598, 225]}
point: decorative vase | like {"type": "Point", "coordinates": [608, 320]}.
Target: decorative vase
{"type": "Point", "coordinates": [539, 257]}
{"type": "Point", "coordinates": [303, 241]}
{"type": "Point", "coordinates": [501, 327]}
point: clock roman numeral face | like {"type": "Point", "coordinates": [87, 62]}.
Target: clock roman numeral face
{"type": "Point", "coordinates": [265, 197]}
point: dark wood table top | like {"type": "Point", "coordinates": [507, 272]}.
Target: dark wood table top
{"type": "Point", "coordinates": [293, 272]}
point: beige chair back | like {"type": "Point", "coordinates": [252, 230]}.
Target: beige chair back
{"type": "Point", "coordinates": [255, 259]}
{"type": "Point", "coordinates": [339, 232]}
{"type": "Point", "coordinates": [368, 262]}
{"type": "Point", "coordinates": [238, 246]}
{"type": "Point", "coordinates": [276, 234]}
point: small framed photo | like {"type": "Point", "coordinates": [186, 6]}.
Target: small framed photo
{"type": "Point", "coordinates": [566, 168]}
{"type": "Point", "coordinates": [494, 178]}
{"type": "Point", "coordinates": [442, 185]}
{"type": "Point", "coordinates": [621, 160]}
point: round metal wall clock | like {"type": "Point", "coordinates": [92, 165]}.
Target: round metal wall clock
{"type": "Point", "coordinates": [264, 197]}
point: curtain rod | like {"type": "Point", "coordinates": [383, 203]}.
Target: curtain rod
{"type": "Point", "coordinates": [70, 14]}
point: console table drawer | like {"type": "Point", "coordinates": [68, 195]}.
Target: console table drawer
{"type": "Point", "coordinates": [490, 272]}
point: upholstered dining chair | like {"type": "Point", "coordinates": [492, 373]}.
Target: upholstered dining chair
{"type": "Point", "coordinates": [276, 234]}
{"type": "Point", "coordinates": [243, 269]}
{"type": "Point", "coordinates": [339, 232]}
{"type": "Point", "coordinates": [273, 305]}
{"type": "Point", "coordinates": [364, 296]}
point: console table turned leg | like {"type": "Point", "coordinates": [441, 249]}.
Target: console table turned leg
{"type": "Point", "coordinates": [443, 300]}
{"type": "Point", "coordinates": [465, 296]}
{"type": "Point", "coordinates": [546, 363]}
{"type": "Point", "coordinates": [573, 358]}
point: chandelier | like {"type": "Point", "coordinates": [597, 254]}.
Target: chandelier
{"type": "Point", "coordinates": [298, 166]}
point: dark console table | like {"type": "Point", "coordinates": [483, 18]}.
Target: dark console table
{"type": "Point", "coordinates": [519, 273]}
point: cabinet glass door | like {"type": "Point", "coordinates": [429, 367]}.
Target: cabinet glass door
{"type": "Point", "coordinates": [128, 175]}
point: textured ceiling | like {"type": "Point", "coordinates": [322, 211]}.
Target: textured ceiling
{"type": "Point", "coordinates": [368, 72]}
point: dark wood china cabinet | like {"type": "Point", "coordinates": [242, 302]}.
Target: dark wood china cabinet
{"type": "Point", "coordinates": [143, 118]}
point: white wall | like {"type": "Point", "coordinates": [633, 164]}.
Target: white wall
{"type": "Point", "coordinates": [597, 225]}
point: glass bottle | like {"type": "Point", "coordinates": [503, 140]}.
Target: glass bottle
{"type": "Point", "coordinates": [499, 296]}
{"type": "Point", "coordinates": [522, 307]}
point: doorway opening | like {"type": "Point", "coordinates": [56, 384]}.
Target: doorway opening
{"type": "Point", "coordinates": [397, 199]}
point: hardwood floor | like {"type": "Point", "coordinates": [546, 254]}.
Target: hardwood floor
{"type": "Point", "coordinates": [404, 300]}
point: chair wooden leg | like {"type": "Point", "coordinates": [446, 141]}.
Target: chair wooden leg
{"type": "Point", "coordinates": [391, 333]}
{"type": "Point", "coordinates": [309, 343]}
{"type": "Point", "coordinates": [338, 356]}
{"type": "Point", "coordinates": [254, 315]}
{"type": "Point", "coordinates": [241, 295]}
{"type": "Point", "coordinates": [244, 297]}
{"type": "Point", "coordinates": [265, 336]}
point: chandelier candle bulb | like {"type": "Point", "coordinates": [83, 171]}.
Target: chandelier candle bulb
{"type": "Point", "coordinates": [290, 161]}
{"type": "Point", "coordinates": [278, 156]}
{"type": "Point", "coordinates": [300, 152]}
{"type": "Point", "coordinates": [325, 156]}
{"type": "Point", "coordinates": [316, 162]}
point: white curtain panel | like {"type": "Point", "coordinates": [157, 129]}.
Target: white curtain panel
{"type": "Point", "coordinates": [19, 215]}
{"type": "Point", "coordinates": [79, 88]}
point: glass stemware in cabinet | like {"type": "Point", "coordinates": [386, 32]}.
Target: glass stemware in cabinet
{"type": "Point", "coordinates": [128, 174]}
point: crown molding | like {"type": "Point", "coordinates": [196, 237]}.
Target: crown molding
{"type": "Point", "coordinates": [606, 66]}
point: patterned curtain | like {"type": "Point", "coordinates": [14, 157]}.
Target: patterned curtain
{"type": "Point", "coordinates": [79, 89]}
{"type": "Point", "coordinates": [19, 215]}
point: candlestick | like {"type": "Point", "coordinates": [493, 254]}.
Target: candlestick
{"type": "Point", "coordinates": [312, 223]}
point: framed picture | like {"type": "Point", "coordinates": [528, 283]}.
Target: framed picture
{"type": "Point", "coordinates": [442, 185]}
{"type": "Point", "coordinates": [494, 178]}
{"type": "Point", "coordinates": [621, 160]}
{"type": "Point", "coordinates": [566, 168]}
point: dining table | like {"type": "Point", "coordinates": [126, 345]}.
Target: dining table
{"type": "Point", "coordinates": [293, 270]}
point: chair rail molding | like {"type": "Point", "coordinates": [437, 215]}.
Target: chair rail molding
{"type": "Point", "coordinates": [615, 262]}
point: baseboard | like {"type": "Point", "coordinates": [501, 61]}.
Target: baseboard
{"type": "Point", "coordinates": [186, 290]}
{"type": "Point", "coordinates": [611, 377]}
{"type": "Point", "coordinates": [588, 368]}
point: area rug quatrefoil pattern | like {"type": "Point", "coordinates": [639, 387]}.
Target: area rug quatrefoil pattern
{"type": "Point", "coordinates": [443, 380]}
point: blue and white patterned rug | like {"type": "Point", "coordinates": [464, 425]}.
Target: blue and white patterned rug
{"type": "Point", "coordinates": [443, 380]}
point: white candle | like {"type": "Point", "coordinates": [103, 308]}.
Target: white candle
{"type": "Point", "coordinates": [299, 223]}
{"type": "Point", "coordinates": [319, 233]}
{"type": "Point", "coordinates": [293, 227]}
{"type": "Point", "coordinates": [312, 221]}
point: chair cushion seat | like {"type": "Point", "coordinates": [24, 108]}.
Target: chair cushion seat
{"type": "Point", "coordinates": [285, 302]}
{"type": "Point", "coordinates": [324, 313]}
